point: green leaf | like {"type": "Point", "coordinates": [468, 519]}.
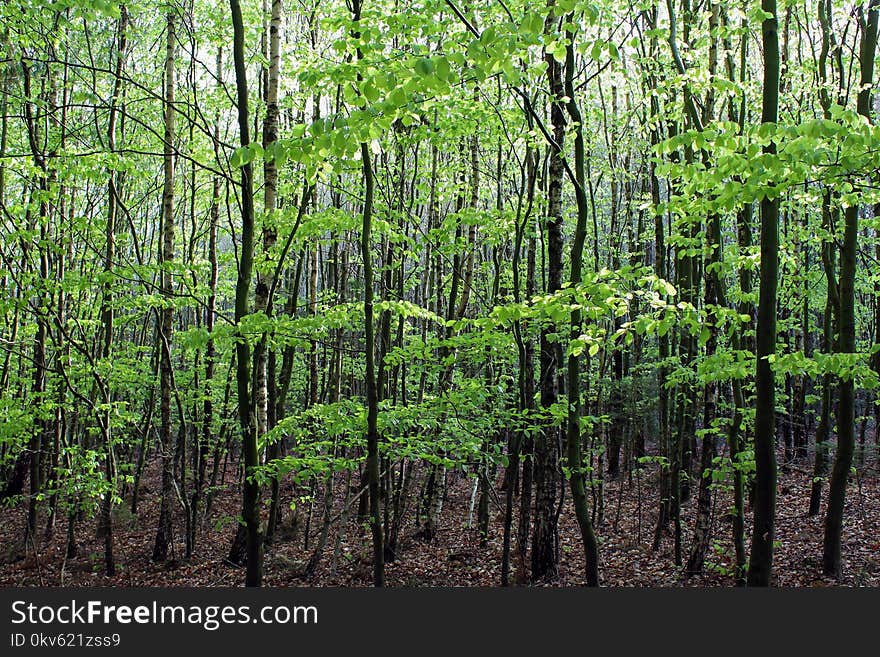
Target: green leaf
{"type": "Point", "coordinates": [368, 89]}
{"type": "Point", "coordinates": [441, 68]}
{"type": "Point", "coordinates": [424, 67]}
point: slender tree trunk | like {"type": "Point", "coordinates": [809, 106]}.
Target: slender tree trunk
{"type": "Point", "coordinates": [828, 250]}
{"type": "Point", "coordinates": [714, 301]}
{"type": "Point", "coordinates": [246, 412]}
{"type": "Point", "coordinates": [373, 474]}
{"type": "Point", "coordinates": [573, 432]}
{"type": "Point", "coordinates": [265, 282]}
{"type": "Point", "coordinates": [763, 527]}
{"type": "Point", "coordinates": [113, 192]}
{"type": "Point", "coordinates": [545, 539]}
{"type": "Point", "coordinates": [210, 348]}
{"type": "Point", "coordinates": [831, 555]}
{"type": "Point", "coordinates": [164, 532]}
{"type": "Point", "coordinates": [523, 399]}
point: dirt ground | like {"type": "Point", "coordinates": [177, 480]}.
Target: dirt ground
{"type": "Point", "coordinates": [454, 557]}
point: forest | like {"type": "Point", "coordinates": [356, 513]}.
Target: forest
{"type": "Point", "coordinates": [439, 293]}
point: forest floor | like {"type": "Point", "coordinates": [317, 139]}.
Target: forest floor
{"type": "Point", "coordinates": [454, 557]}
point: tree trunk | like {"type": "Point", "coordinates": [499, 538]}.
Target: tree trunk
{"type": "Point", "coordinates": [246, 411]}
{"type": "Point", "coordinates": [763, 528]}
{"type": "Point", "coordinates": [164, 532]}
{"type": "Point", "coordinates": [831, 556]}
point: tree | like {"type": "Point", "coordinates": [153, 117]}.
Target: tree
{"type": "Point", "coordinates": [831, 557]}
{"type": "Point", "coordinates": [763, 526]}
{"type": "Point", "coordinates": [246, 408]}
{"type": "Point", "coordinates": [166, 324]}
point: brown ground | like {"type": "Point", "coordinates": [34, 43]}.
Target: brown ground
{"type": "Point", "coordinates": [455, 558]}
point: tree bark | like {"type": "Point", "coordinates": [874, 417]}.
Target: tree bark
{"type": "Point", "coordinates": [763, 527]}
{"type": "Point", "coordinates": [831, 553]}
{"type": "Point", "coordinates": [246, 411]}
